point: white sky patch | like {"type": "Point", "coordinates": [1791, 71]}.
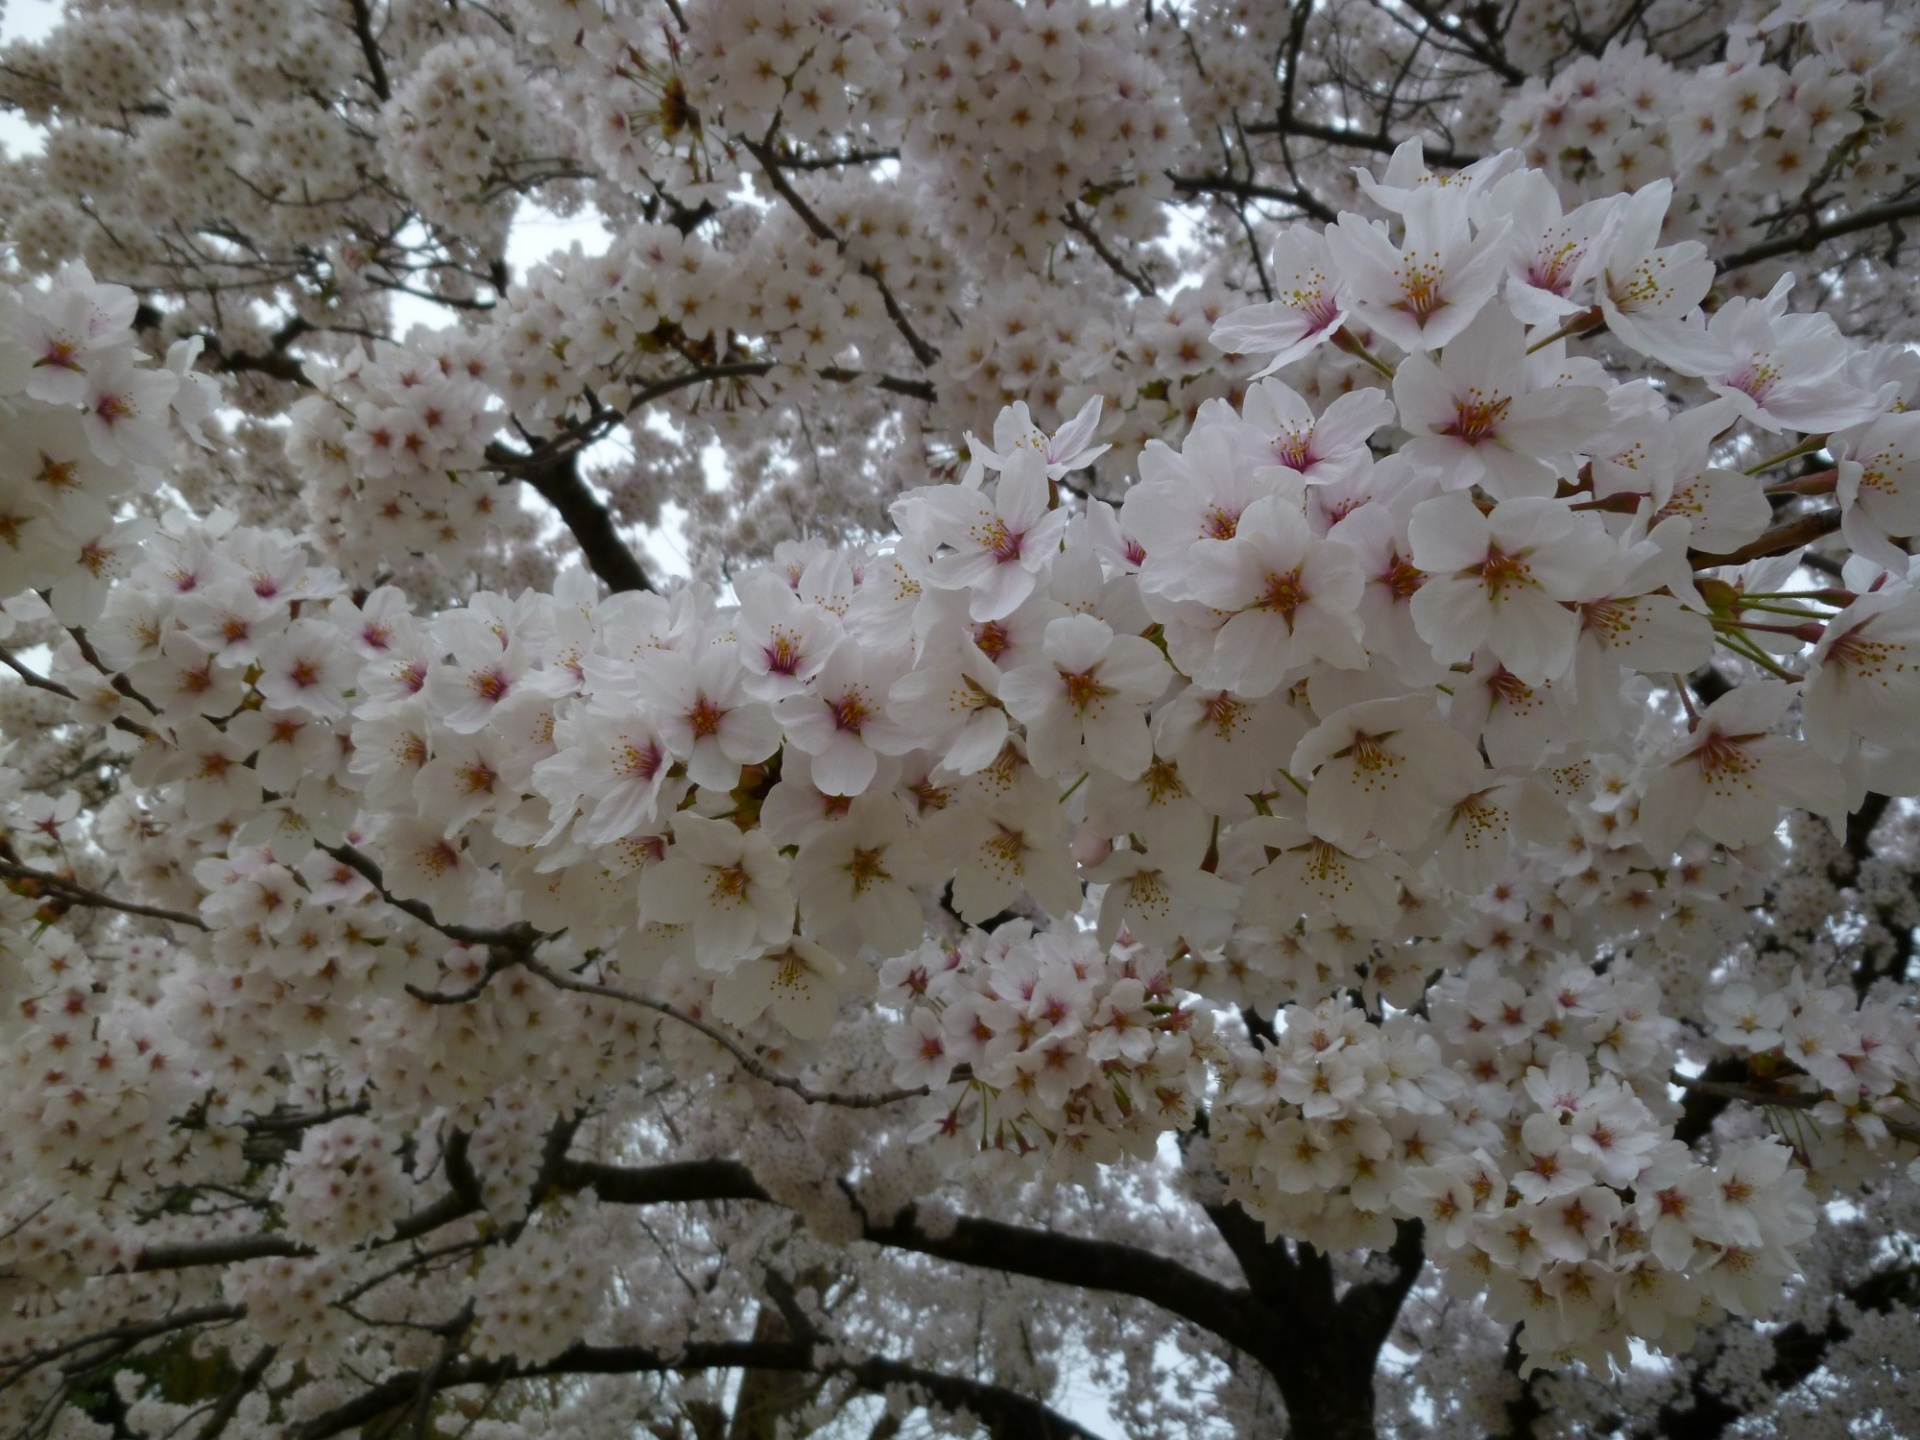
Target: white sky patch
{"type": "Point", "coordinates": [23, 20]}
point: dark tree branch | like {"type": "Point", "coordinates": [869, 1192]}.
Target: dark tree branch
{"type": "Point", "coordinates": [1009, 1414]}
{"type": "Point", "coordinates": [674, 1183]}
{"type": "Point", "coordinates": [75, 894]}
{"type": "Point", "coordinates": [770, 164]}
{"type": "Point", "coordinates": [1813, 236]}
{"type": "Point", "coordinates": [1356, 139]}
{"type": "Point", "coordinates": [1777, 541]}
{"type": "Point", "coordinates": [514, 936]}
{"type": "Point", "coordinates": [370, 47]}
{"type": "Point", "coordinates": [1485, 51]}
{"type": "Point", "coordinates": [1230, 1313]}
{"type": "Point", "coordinates": [1248, 190]}
{"type": "Point", "coordinates": [228, 1404]}
{"type": "Point", "coordinates": [1082, 227]}
{"type": "Point", "coordinates": [561, 486]}
{"type": "Point", "coordinates": [1370, 1307]}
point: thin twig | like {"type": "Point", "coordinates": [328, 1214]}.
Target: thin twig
{"type": "Point", "coordinates": [746, 1060]}
{"type": "Point", "coordinates": [770, 164]}
{"type": "Point", "coordinates": [1080, 226]}
{"type": "Point", "coordinates": [77, 894]}
{"type": "Point", "coordinates": [515, 935]}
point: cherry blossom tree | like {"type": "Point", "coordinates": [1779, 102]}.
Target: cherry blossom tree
{"type": "Point", "coordinates": [1277, 783]}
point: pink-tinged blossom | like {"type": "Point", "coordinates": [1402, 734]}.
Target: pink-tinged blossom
{"type": "Point", "coordinates": [1406, 174]}
{"type": "Point", "coordinates": [1068, 449]}
{"type": "Point", "coordinates": [953, 701]}
{"type": "Point", "coordinates": [1377, 533]}
{"type": "Point", "coordinates": [306, 667]}
{"type": "Point", "coordinates": [419, 862]}
{"type": "Point", "coordinates": [995, 549]}
{"type": "Point", "coordinates": [1554, 257]}
{"type": "Point", "coordinates": [1779, 370]}
{"type": "Point", "coordinates": [1384, 769]}
{"type": "Point", "coordinates": [1731, 775]}
{"type": "Point", "coordinates": [1083, 704]}
{"type": "Point", "coordinates": [701, 707]}
{"type": "Point", "coordinates": [1863, 677]}
{"type": "Point", "coordinates": [1013, 846]}
{"type": "Point", "coordinates": [919, 1050]}
{"type": "Point", "coordinates": [1423, 292]}
{"type": "Point", "coordinates": [1477, 419]}
{"type": "Point", "coordinates": [1163, 894]}
{"type": "Point", "coordinates": [607, 776]}
{"type": "Point", "coordinates": [487, 666]}
{"type": "Point", "coordinates": [1878, 485]}
{"type": "Point", "coordinates": [1505, 580]}
{"type": "Point", "coordinates": [464, 781]}
{"type": "Point", "coordinates": [801, 983]}
{"type": "Point", "coordinates": [729, 887]}
{"type": "Point", "coordinates": [1226, 745]}
{"type": "Point", "coordinates": [855, 880]}
{"type": "Point", "coordinates": [1292, 599]}
{"type": "Point", "coordinates": [1327, 449]}
{"type": "Point", "coordinates": [1194, 494]}
{"type": "Point", "coordinates": [127, 413]}
{"type": "Point", "coordinates": [843, 722]}
{"type": "Point", "coordinates": [1311, 305]}
{"type": "Point", "coordinates": [1312, 877]}
{"type": "Point", "coordinates": [783, 640]}
{"type": "Point", "coordinates": [1644, 286]}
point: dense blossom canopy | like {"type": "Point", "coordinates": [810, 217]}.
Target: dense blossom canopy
{"type": "Point", "coordinates": [1279, 779]}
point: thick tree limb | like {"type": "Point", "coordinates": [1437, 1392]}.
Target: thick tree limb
{"type": "Point", "coordinates": [1230, 1313]}
{"type": "Point", "coordinates": [1248, 190]}
{"type": "Point", "coordinates": [1010, 1415]}
{"type": "Point", "coordinates": [1107, 1265]}
{"type": "Point", "coordinates": [560, 484]}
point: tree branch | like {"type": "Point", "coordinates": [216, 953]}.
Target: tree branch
{"type": "Point", "coordinates": [770, 165]}
{"type": "Point", "coordinates": [370, 47]}
{"type": "Point", "coordinates": [1816, 235]}
{"type": "Point", "coordinates": [559, 483]}
{"type": "Point", "coordinates": [75, 894]}
{"type": "Point", "coordinates": [747, 1061]}
{"type": "Point", "coordinates": [1777, 541]}
{"type": "Point", "coordinates": [1010, 1415]}
{"type": "Point", "coordinates": [1080, 226]}
{"type": "Point", "coordinates": [1248, 190]}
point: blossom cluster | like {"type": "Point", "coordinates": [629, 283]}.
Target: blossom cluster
{"type": "Point", "coordinates": [454, 130]}
{"type": "Point", "coordinates": [1022, 105]}
{"type": "Point", "coordinates": [1807, 101]}
{"type": "Point", "coordinates": [86, 423]}
{"type": "Point", "coordinates": [1366, 713]}
{"type": "Point", "coordinates": [1048, 1043]}
{"type": "Point", "coordinates": [391, 448]}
